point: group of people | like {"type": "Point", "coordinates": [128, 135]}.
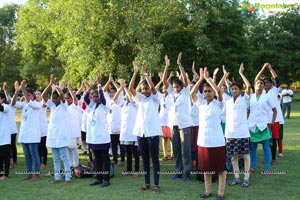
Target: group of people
{"type": "Point", "coordinates": [206, 122]}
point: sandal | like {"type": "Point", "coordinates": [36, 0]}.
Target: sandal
{"type": "Point", "coordinates": [245, 184]}
{"type": "Point", "coordinates": [143, 188]}
{"type": "Point", "coordinates": [165, 158]}
{"type": "Point", "coordinates": [156, 189]}
{"type": "Point", "coordinates": [234, 181]}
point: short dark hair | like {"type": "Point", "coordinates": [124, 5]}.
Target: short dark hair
{"type": "Point", "coordinates": [260, 79]}
{"type": "Point", "coordinates": [238, 84]}
{"type": "Point", "coordinates": [268, 79]}
{"type": "Point", "coordinates": [3, 96]}
{"type": "Point", "coordinates": [178, 82]}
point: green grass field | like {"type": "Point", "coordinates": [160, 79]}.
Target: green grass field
{"type": "Point", "coordinates": [283, 184]}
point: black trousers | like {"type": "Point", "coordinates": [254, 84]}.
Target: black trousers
{"type": "Point", "coordinates": [132, 150]}
{"type": "Point", "coordinates": [13, 147]}
{"type": "Point", "coordinates": [4, 159]}
{"type": "Point", "coordinates": [43, 151]}
{"type": "Point", "coordinates": [102, 167]}
{"type": "Point", "coordinates": [115, 142]}
{"type": "Point", "coordinates": [149, 146]}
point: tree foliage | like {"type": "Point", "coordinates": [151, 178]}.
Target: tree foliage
{"type": "Point", "coordinates": [74, 39]}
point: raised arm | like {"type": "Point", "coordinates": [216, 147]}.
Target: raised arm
{"type": "Point", "coordinates": [215, 75]}
{"type": "Point", "coordinates": [157, 86]}
{"type": "Point", "coordinates": [73, 95]}
{"type": "Point", "coordinates": [17, 89]}
{"type": "Point", "coordinates": [25, 93]}
{"type": "Point", "coordinates": [115, 84]}
{"type": "Point", "coordinates": [165, 73]}
{"type": "Point", "coordinates": [5, 90]}
{"type": "Point", "coordinates": [88, 90]}
{"type": "Point", "coordinates": [258, 76]}
{"type": "Point", "coordinates": [272, 71]}
{"type": "Point", "coordinates": [119, 90]}
{"type": "Point", "coordinates": [196, 86]}
{"type": "Point", "coordinates": [60, 92]}
{"type": "Point", "coordinates": [132, 81]}
{"type": "Point", "coordinates": [222, 81]}
{"type": "Point", "coordinates": [184, 77]}
{"type": "Point", "coordinates": [213, 85]}
{"type": "Point", "coordinates": [48, 88]}
{"type": "Point", "coordinates": [247, 83]}
{"type": "Point", "coordinates": [148, 79]}
{"type": "Point", "coordinates": [107, 84]}
{"type": "Point", "coordinates": [99, 88]}
{"type": "Point", "coordinates": [195, 74]}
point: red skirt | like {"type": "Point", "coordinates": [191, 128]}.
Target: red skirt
{"type": "Point", "coordinates": [166, 132]}
{"type": "Point", "coordinates": [212, 159]}
{"type": "Point", "coordinates": [275, 130]}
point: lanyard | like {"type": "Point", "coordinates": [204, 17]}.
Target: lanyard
{"type": "Point", "coordinates": [175, 98]}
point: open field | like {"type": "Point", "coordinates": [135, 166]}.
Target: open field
{"type": "Point", "coordinates": [282, 184]}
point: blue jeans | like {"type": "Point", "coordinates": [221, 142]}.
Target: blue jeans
{"type": "Point", "coordinates": [58, 155]}
{"type": "Point", "coordinates": [267, 154]}
{"type": "Point", "coordinates": [149, 146]}
{"type": "Point", "coordinates": [31, 152]}
{"type": "Point", "coordinates": [288, 107]}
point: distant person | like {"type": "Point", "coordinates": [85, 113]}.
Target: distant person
{"type": "Point", "coordinates": [287, 95]}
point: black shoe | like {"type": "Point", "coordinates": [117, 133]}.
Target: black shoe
{"type": "Point", "coordinates": [220, 197]}
{"type": "Point", "coordinates": [204, 196]}
{"type": "Point", "coordinates": [105, 184]}
{"type": "Point", "coordinates": [96, 183]}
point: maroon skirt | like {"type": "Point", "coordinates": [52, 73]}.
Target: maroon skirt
{"type": "Point", "coordinates": [212, 159]}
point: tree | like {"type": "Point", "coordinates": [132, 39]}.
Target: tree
{"type": "Point", "coordinates": [276, 40]}
{"type": "Point", "coordinates": [9, 56]}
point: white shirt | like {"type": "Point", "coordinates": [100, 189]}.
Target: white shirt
{"type": "Point", "coordinates": [287, 99]}
{"type": "Point", "coordinates": [210, 132]}
{"type": "Point", "coordinates": [114, 116]}
{"type": "Point", "coordinates": [223, 113]}
{"type": "Point", "coordinates": [58, 127]}
{"type": "Point", "coordinates": [195, 111]}
{"type": "Point", "coordinates": [5, 130]}
{"type": "Point", "coordinates": [128, 121]}
{"type": "Point", "coordinates": [11, 119]}
{"type": "Point", "coordinates": [30, 131]}
{"type": "Point", "coordinates": [74, 120]}
{"type": "Point", "coordinates": [274, 94]}
{"type": "Point", "coordinates": [164, 109]}
{"type": "Point", "coordinates": [259, 111]}
{"type": "Point", "coordinates": [97, 125]}
{"type": "Point", "coordinates": [236, 117]}
{"type": "Point", "coordinates": [147, 119]}
{"type": "Point", "coordinates": [180, 108]}
{"type": "Point", "coordinates": [43, 120]}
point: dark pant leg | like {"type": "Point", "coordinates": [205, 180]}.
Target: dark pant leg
{"type": "Point", "coordinates": [5, 159]}
{"type": "Point", "coordinates": [106, 165]}
{"type": "Point", "coordinates": [114, 146]}
{"type": "Point", "coordinates": [185, 135]}
{"type": "Point", "coordinates": [135, 152]}
{"type": "Point", "coordinates": [13, 147]}
{"type": "Point", "coordinates": [153, 143]}
{"type": "Point", "coordinates": [274, 149]}
{"type": "Point", "coordinates": [144, 149]}
{"type": "Point", "coordinates": [98, 164]}
{"type": "Point", "coordinates": [289, 107]}
{"type": "Point", "coordinates": [176, 141]}
{"type": "Point", "coordinates": [122, 150]}
{"type": "Point", "coordinates": [129, 157]}
{"type": "Point", "coordinates": [43, 152]}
